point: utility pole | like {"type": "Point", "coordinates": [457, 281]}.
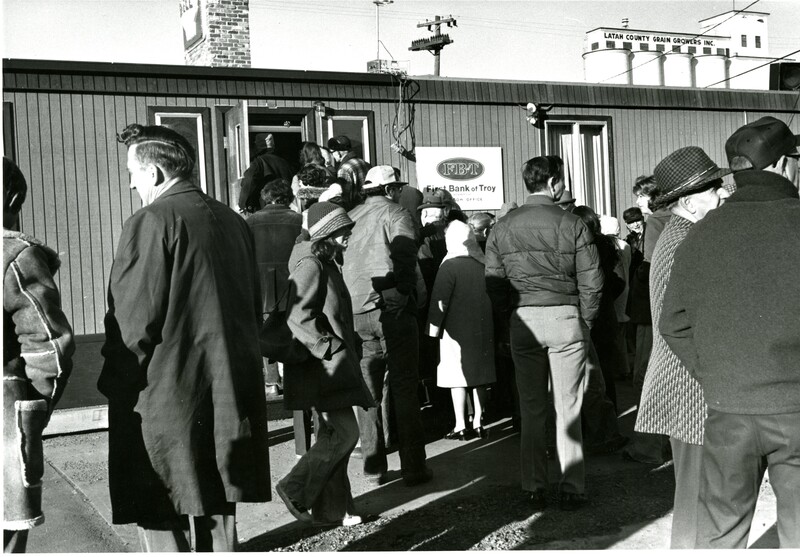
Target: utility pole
{"type": "Point", "coordinates": [437, 42]}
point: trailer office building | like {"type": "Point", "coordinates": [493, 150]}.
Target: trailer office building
{"type": "Point", "coordinates": [60, 121]}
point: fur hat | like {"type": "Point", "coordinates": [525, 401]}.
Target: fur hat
{"type": "Point", "coordinates": [325, 219]}
{"type": "Point", "coordinates": [687, 170]}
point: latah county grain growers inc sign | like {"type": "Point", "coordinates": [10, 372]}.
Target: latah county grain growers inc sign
{"type": "Point", "coordinates": [473, 175]}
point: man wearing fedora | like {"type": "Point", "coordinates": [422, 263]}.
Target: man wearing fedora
{"type": "Point", "coordinates": [690, 186]}
{"type": "Point", "coordinates": [348, 165]}
{"type": "Point", "coordinates": [380, 273]}
{"type": "Point", "coordinates": [543, 270]}
{"type": "Point", "coordinates": [731, 314]}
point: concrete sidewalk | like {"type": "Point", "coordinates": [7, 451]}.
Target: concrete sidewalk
{"type": "Point", "coordinates": [479, 469]}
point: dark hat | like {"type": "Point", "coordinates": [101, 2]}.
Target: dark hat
{"type": "Point", "coordinates": [687, 170]}
{"type": "Point", "coordinates": [325, 219]}
{"type": "Point", "coordinates": [762, 142]}
{"type": "Point", "coordinates": [632, 214]}
{"type": "Point", "coordinates": [339, 143]}
{"type": "Point", "coordinates": [437, 198]}
{"type": "Point", "coordinates": [379, 176]}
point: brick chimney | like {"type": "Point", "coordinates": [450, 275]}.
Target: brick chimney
{"type": "Point", "coordinates": [216, 32]}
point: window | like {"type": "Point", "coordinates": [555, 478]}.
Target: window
{"type": "Point", "coordinates": [676, 49]}
{"type": "Point", "coordinates": [193, 124]}
{"type": "Point", "coordinates": [722, 51]}
{"type": "Point", "coordinates": [744, 40]}
{"type": "Point", "coordinates": [692, 49]}
{"type": "Point", "coordinates": [644, 46]}
{"type": "Point", "coordinates": [357, 125]}
{"type": "Point", "coordinates": [611, 44]}
{"type": "Point", "coordinates": [9, 144]}
{"type": "Point", "coordinates": [627, 45]}
{"type": "Point", "coordinates": [595, 46]}
{"type": "Point", "coordinates": [585, 148]}
{"type": "Point", "coordinates": [660, 47]}
{"type": "Point", "coordinates": [706, 50]}
{"type": "Point", "coordinates": [758, 41]}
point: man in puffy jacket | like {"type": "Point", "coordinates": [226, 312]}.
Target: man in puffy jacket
{"type": "Point", "coordinates": [37, 360]}
{"type": "Point", "coordinates": [380, 273]}
{"type": "Point", "coordinates": [542, 267]}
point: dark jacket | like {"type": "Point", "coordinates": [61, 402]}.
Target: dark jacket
{"type": "Point", "coordinates": [37, 361]}
{"type": "Point", "coordinates": [275, 229]}
{"type": "Point", "coordinates": [264, 168]}
{"type": "Point", "coordinates": [321, 317]}
{"type": "Point", "coordinates": [183, 369]}
{"type": "Point", "coordinates": [541, 255]}
{"type": "Point", "coordinates": [639, 309]}
{"type": "Point", "coordinates": [732, 307]}
{"type": "Point", "coordinates": [382, 253]}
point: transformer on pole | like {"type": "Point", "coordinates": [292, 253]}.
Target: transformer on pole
{"type": "Point", "coordinates": [437, 42]}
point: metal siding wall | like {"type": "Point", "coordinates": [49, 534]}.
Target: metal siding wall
{"type": "Point", "coordinates": [79, 195]}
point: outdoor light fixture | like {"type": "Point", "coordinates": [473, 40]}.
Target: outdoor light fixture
{"type": "Point", "coordinates": [537, 113]}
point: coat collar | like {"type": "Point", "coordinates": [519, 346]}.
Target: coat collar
{"type": "Point", "coordinates": [182, 186]}
{"type": "Point", "coordinates": [760, 185]}
{"type": "Point", "coordinates": [539, 200]}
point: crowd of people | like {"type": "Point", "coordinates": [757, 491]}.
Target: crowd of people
{"type": "Point", "coordinates": [342, 286]}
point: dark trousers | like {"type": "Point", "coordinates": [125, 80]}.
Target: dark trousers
{"type": "Point", "coordinates": [211, 533]}
{"type": "Point", "coordinates": [687, 460]}
{"type": "Point", "coordinates": [644, 345]}
{"type": "Point", "coordinates": [391, 354]}
{"type": "Point", "coordinates": [319, 479]}
{"type": "Point", "coordinates": [599, 415]}
{"type": "Point", "coordinates": [15, 541]}
{"type": "Point", "coordinates": [737, 449]}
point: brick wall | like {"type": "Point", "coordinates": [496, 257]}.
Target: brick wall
{"type": "Point", "coordinates": [226, 34]}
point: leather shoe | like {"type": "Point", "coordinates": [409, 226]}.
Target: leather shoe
{"type": "Point", "coordinates": [463, 435]}
{"type": "Point", "coordinates": [538, 500]}
{"type": "Point", "coordinates": [418, 478]}
{"type": "Point", "coordinates": [571, 501]}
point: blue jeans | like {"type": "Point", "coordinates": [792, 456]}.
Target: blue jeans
{"type": "Point", "coordinates": [391, 354]}
{"type": "Point", "coordinates": [557, 335]}
{"type": "Point", "coordinates": [737, 449]}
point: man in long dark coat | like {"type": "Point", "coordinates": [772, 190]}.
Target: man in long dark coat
{"type": "Point", "coordinates": [182, 373]}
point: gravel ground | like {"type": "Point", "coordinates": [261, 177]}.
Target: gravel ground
{"type": "Point", "coordinates": [491, 517]}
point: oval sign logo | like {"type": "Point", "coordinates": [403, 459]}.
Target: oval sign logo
{"type": "Point", "coordinates": [460, 169]}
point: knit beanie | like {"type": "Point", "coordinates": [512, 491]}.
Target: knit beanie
{"type": "Point", "coordinates": [324, 219]}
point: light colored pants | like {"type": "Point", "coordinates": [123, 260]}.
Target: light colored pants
{"type": "Point", "coordinates": [557, 335]}
{"type": "Point", "coordinates": [319, 479]}
{"type": "Point", "coordinates": [211, 533]}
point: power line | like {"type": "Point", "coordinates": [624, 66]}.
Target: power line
{"type": "Point", "coordinates": [753, 69]}
{"type": "Point", "coordinates": [737, 12]}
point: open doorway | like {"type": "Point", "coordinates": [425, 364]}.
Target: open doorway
{"type": "Point", "coordinates": [242, 123]}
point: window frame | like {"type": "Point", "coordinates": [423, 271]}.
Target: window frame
{"type": "Point", "coordinates": [610, 193]}
{"type": "Point", "coordinates": [325, 129]}
{"type": "Point", "coordinates": [202, 118]}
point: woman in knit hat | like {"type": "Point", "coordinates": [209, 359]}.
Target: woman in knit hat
{"type": "Point", "coordinates": [329, 381]}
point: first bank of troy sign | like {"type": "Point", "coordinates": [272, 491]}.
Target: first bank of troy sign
{"type": "Point", "coordinates": [473, 175]}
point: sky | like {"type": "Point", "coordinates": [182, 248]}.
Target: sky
{"type": "Point", "coordinates": [536, 40]}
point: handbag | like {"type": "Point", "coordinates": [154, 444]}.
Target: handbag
{"type": "Point", "coordinates": [276, 339]}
